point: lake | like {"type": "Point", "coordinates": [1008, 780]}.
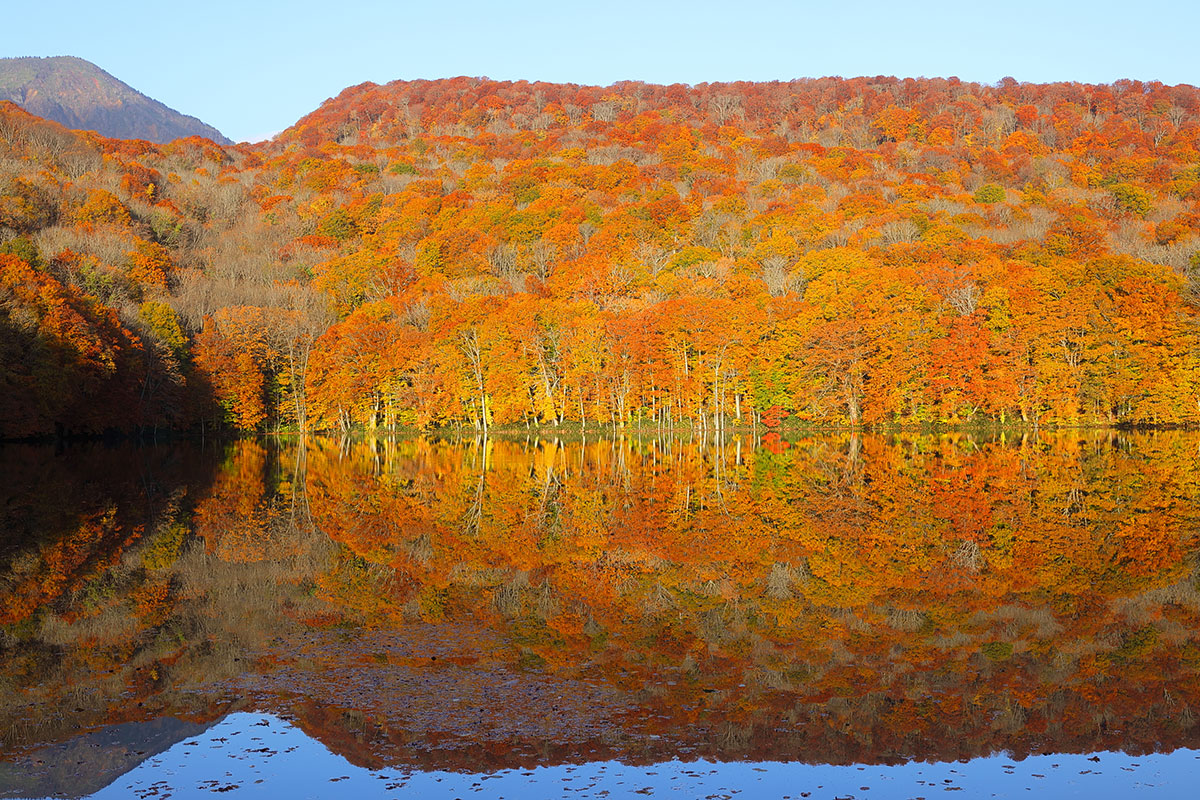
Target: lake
{"type": "Point", "coordinates": [826, 616]}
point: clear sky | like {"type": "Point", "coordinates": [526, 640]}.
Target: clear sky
{"type": "Point", "coordinates": [253, 68]}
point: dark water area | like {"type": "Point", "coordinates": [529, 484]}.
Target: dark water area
{"type": "Point", "coordinates": [865, 616]}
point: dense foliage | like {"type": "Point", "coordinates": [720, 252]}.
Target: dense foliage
{"type": "Point", "coordinates": [463, 251]}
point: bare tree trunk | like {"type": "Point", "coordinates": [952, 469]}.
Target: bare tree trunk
{"type": "Point", "coordinates": [469, 344]}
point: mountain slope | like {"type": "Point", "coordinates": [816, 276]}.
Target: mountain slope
{"type": "Point", "coordinates": [78, 94]}
{"type": "Point", "coordinates": [857, 252]}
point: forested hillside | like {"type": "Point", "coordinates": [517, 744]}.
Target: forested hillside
{"type": "Point", "coordinates": [464, 251]}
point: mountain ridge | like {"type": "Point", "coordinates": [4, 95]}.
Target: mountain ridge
{"type": "Point", "coordinates": [78, 94]}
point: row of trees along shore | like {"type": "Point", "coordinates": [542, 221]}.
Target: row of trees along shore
{"type": "Point", "coordinates": [467, 252]}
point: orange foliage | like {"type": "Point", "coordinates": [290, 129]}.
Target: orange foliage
{"type": "Point", "coordinates": [861, 252]}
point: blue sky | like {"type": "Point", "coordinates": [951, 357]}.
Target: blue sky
{"type": "Point", "coordinates": [253, 68]}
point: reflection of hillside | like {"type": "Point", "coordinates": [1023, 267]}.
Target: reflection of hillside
{"type": "Point", "coordinates": [856, 599]}
{"type": "Point", "coordinates": [476, 605]}
{"type": "Point", "coordinates": [88, 763]}
{"type": "Point", "coordinates": [67, 516]}
{"type": "Point", "coordinates": [115, 610]}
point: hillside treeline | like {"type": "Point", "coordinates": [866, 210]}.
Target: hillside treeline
{"type": "Point", "coordinates": [464, 251]}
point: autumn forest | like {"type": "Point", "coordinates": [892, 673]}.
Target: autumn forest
{"type": "Point", "coordinates": [868, 252]}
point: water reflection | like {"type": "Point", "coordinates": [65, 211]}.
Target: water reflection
{"type": "Point", "coordinates": [264, 756]}
{"type": "Point", "coordinates": [518, 604]}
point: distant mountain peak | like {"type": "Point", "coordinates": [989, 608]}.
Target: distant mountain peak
{"type": "Point", "coordinates": [78, 94]}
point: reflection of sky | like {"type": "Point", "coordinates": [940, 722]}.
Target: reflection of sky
{"type": "Point", "coordinates": [260, 756]}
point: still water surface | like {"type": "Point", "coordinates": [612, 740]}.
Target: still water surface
{"type": "Point", "coordinates": [846, 616]}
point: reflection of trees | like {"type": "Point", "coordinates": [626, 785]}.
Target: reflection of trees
{"type": "Point", "coordinates": [135, 577]}
{"type": "Point", "coordinates": [884, 597]}
{"type": "Point", "coordinates": [938, 568]}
